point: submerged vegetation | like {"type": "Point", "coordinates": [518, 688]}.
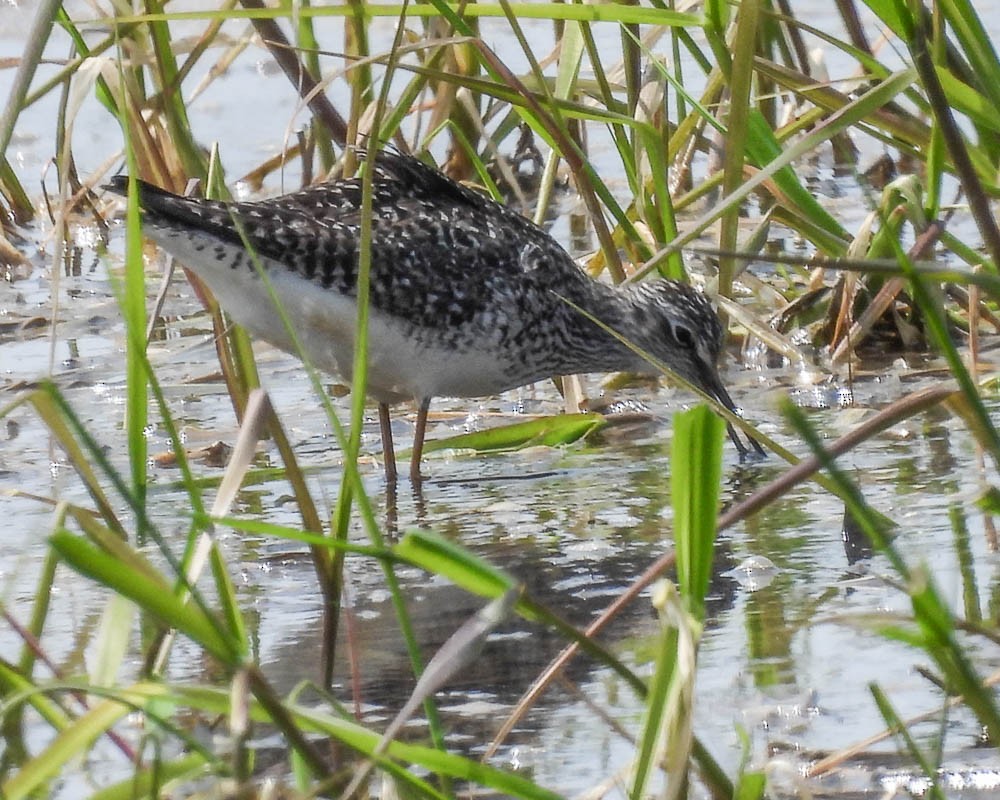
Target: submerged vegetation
{"type": "Point", "coordinates": [718, 123]}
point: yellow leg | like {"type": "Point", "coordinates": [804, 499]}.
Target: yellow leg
{"type": "Point", "coordinates": [388, 453]}
{"type": "Point", "coordinates": [418, 440]}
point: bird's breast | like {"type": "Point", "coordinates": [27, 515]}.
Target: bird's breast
{"type": "Point", "coordinates": [406, 359]}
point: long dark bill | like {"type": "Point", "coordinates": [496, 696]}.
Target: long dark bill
{"type": "Point", "coordinates": [716, 388]}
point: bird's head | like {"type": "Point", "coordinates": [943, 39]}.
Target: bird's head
{"type": "Point", "coordinates": [678, 327]}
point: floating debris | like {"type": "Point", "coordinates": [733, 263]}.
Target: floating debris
{"type": "Point", "coordinates": [754, 573]}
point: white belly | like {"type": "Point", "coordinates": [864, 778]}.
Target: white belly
{"type": "Point", "coordinates": [402, 364]}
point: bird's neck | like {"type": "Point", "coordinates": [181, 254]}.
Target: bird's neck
{"type": "Point", "coordinates": [595, 313]}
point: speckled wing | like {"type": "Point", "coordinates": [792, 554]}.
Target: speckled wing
{"type": "Point", "coordinates": [443, 256]}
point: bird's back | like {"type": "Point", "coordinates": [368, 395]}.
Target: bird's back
{"type": "Point", "coordinates": [443, 255]}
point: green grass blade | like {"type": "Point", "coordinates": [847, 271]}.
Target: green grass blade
{"type": "Point", "coordinates": [40, 609]}
{"type": "Point", "coordinates": [931, 613]}
{"type": "Point", "coordinates": [937, 333]}
{"type": "Point", "coordinates": [71, 743]}
{"type": "Point", "coordinates": [763, 147]}
{"type": "Point", "coordinates": [895, 723]}
{"type": "Point", "coordinates": [13, 683]}
{"type": "Point", "coordinates": [83, 451]}
{"type": "Point", "coordinates": [125, 571]}
{"type": "Point", "coordinates": [695, 486]}
{"type": "Point", "coordinates": [53, 411]}
{"type": "Point", "coordinates": [611, 13]}
{"type": "Point", "coordinates": [150, 781]}
{"type": "Point", "coordinates": [667, 733]}
{"type": "Point", "coordinates": [857, 110]}
{"type": "Point", "coordinates": [740, 75]}
{"type": "Point", "coordinates": [976, 45]}
{"type": "Point", "coordinates": [133, 306]}
{"type": "Point", "coordinates": [307, 720]}
{"type": "Point", "coordinates": [171, 97]}
{"type": "Point", "coordinates": [112, 642]}
{"type": "Point", "coordinates": [548, 431]}
{"type": "Point", "coordinates": [439, 556]}
{"type": "Point", "coordinates": [104, 93]}
{"type": "Point", "coordinates": [967, 100]}
{"type": "Point", "coordinates": [45, 13]}
{"type": "Point", "coordinates": [751, 786]}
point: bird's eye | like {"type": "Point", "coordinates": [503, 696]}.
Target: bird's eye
{"type": "Point", "coordinates": [683, 336]}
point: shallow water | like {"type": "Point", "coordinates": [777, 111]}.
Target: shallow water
{"type": "Point", "coordinates": [787, 663]}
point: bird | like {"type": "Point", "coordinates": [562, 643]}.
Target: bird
{"type": "Point", "coordinates": [468, 298]}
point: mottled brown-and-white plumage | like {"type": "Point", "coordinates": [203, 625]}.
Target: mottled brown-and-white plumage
{"type": "Point", "coordinates": [468, 298]}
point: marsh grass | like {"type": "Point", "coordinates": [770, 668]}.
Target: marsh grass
{"type": "Point", "coordinates": [939, 111]}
